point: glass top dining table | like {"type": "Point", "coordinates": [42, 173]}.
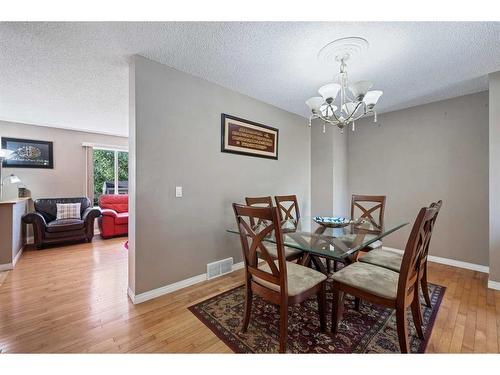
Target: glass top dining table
{"type": "Point", "coordinates": [338, 244]}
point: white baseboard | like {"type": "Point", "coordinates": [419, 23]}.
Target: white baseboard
{"type": "Point", "coordinates": [131, 295]}
{"type": "Point", "coordinates": [18, 255]}
{"type": "Point", "coordinates": [450, 262]}
{"type": "Point", "coordinates": [238, 266]}
{"type": "Point", "coordinates": [143, 297]}
{"type": "Point", "coordinates": [493, 284]}
{"type": "Point", "coordinates": [6, 267]}
{"type": "Point", "coordinates": [10, 266]}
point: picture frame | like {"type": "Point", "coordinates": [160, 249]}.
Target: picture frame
{"type": "Point", "coordinates": [28, 153]}
{"type": "Point", "coordinates": [245, 137]}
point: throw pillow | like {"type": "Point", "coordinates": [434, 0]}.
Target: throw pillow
{"type": "Point", "coordinates": [68, 211]}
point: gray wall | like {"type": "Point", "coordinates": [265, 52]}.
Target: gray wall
{"type": "Point", "coordinates": [321, 170]}
{"type": "Point", "coordinates": [177, 142]}
{"type": "Point", "coordinates": [425, 153]}
{"type": "Point", "coordinates": [494, 159]}
{"type": "Point", "coordinates": [342, 199]}
{"type": "Point", "coordinates": [329, 195]}
{"type": "Point", "coordinates": [68, 178]}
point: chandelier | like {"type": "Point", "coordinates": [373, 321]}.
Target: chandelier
{"type": "Point", "coordinates": [341, 103]}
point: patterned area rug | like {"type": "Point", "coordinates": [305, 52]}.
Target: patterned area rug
{"type": "Point", "coordinates": [371, 330]}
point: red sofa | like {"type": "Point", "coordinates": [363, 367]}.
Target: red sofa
{"type": "Point", "coordinates": [114, 219]}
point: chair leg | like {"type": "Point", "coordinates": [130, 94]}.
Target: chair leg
{"type": "Point", "coordinates": [425, 287]}
{"type": "Point", "coordinates": [328, 266]}
{"type": "Point", "coordinates": [321, 296]}
{"type": "Point", "coordinates": [335, 266]}
{"type": "Point", "coordinates": [357, 303]}
{"type": "Point", "coordinates": [417, 315]}
{"type": "Point", "coordinates": [248, 308]}
{"type": "Point", "coordinates": [337, 309]}
{"type": "Point", "coordinates": [402, 328]}
{"type": "Point", "coordinates": [283, 326]}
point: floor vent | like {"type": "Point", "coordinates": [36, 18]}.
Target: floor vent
{"type": "Point", "coordinates": [219, 268]}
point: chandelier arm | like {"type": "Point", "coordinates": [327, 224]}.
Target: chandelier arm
{"type": "Point", "coordinates": [332, 122]}
{"type": "Point", "coordinates": [336, 118]}
{"type": "Point", "coordinates": [353, 112]}
{"type": "Point", "coordinates": [364, 114]}
{"type": "Point", "coordinates": [360, 116]}
{"type": "Point", "coordinates": [320, 116]}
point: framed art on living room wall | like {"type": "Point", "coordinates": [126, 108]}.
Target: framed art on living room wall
{"type": "Point", "coordinates": [28, 153]}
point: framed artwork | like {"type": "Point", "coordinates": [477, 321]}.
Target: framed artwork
{"type": "Point", "coordinates": [244, 137]}
{"type": "Point", "coordinates": [28, 153]}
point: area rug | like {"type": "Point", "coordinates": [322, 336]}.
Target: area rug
{"type": "Point", "coordinates": [370, 330]}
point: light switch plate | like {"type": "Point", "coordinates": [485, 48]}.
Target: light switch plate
{"type": "Point", "coordinates": [178, 191]}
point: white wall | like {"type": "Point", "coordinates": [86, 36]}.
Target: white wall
{"type": "Point", "coordinates": [425, 153]}
{"type": "Point", "coordinates": [177, 135]}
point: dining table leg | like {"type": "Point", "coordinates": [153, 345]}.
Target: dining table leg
{"type": "Point", "coordinates": [305, 260]}
{"type": "Point", "coordinates": [319, 264]}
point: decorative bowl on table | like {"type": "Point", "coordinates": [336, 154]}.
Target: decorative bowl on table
{"type": "Point", "coordinates": [333, 222]}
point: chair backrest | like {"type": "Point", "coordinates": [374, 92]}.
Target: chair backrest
{"type": "Point", "coordinates": [436, 205]}
{"type": "Point", "coordinates": [418, 241]}
{"type": "Point", "coordinates": [252, 240]}
{"type": "Point", "coordinates": [117, 202]}
{"type": "Point", "coordinates": [47, 207]}
{"type": "Point", "coordinates": [369, 205]}
{"type": "Point", "coordinates": [258, 202]}
{"type": "Point", "coordinates": [286, 205]}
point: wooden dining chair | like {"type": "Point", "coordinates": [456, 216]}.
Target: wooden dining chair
{"type": "Point", "coordinates": [288, 207]}
{"type": "Point", "coordinates": [385, 287]}
{"type": "Point", "coordinates": [369, 207]}
{"type": "Point", "coordinates": [290, 252]}
{"type": "Point", "coordinates": [258, 202]}
{"type": "Point", "coordinates": [392, 260]}
{"type": "Point", "coordinates": [275, 280]}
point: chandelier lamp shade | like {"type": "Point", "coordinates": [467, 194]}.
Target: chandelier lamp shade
{"type": "Point", "coordinates": [342, 103]}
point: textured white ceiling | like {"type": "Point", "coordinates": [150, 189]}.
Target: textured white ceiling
{"type": "Point", "coordinates": [75, 75]}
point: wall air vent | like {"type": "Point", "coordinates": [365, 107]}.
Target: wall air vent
{"type": "Point", "coordinates": [219, 268]}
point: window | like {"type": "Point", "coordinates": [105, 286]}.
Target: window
{"type": "Point", "coordinates": [110, 172]}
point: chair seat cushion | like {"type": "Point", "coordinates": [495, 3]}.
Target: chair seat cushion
{"type": "Point", "coordinates": [375, 280]}
{"type": "Point", "coordinates": [383, 258]}
{"type": "Point", "coordinates": [121, 218]}
{"type": "Point", "coordinates": [299, 278]}
{"type": "Point", "coordinates": [273, 250]}
{"type": "Point", "coordinates": [64, 225]}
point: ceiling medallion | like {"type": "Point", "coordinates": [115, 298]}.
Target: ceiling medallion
{"type": "Point", "coordinates": [341, 103]}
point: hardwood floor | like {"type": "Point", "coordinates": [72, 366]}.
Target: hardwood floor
{"type": "Point", "coordinates": [73, 299]}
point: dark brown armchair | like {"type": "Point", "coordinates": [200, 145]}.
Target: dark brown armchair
{"type": "Point", "coordinates": [48, 231]}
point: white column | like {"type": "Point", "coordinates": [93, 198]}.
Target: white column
{"type": "Point", "coordinates": [494, 178]}
{"type": "Point", "coordinates": [131, 182]}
